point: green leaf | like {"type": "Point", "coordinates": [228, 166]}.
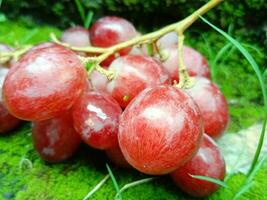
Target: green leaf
{"type": "Point", "coordinates": [132, 184]}
{"type": "Point", "coordinates": [210, 179]}
{"type": "Point", "coordinates": [1, 3]}
{"type": "Point", "coordinates": [265, 73]}
{"type": "Point", "coordinates": [80, 9]}
{"type": "Point", "coordinates": [88, 19]}
{"type": "Point", "coordinates": [256, 69]}
{"type": "Point", "coordinates": [116, 186]}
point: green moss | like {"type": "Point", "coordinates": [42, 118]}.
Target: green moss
{"type": "Point", "coordinates": [76, 177]}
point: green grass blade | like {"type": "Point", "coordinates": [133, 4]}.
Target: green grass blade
{"type": "Point", "coordinates": [210, 179]}
{"type": "Point", "coordinates": [256, 68]}
{"type": "Point", "coordinates": [88, 19]}
{"type": "Point", "coordinates": [221, 52]}
{"type": "Point", "coordinates": [1, 3]}
{"type": "Point", "coordinates": [254, 48]}
{"type": "Point", "coordinates": [219, 55]}
{"type": "Point", "coordinates": [80, 9]}
{"type": "Point", "coordinates": [132, 184]}
{"type": "Point", "coordinates": [257, 168]}
{"type": "Point", "coordinates": [249, 180]}
{"type": "Point", "coordinates": [210, 51]}
{"type": "Point", "coordinates": [229, 53]}
{"type": "Point", "coordinates": [116, 186]}
{"type": "Point", "coordinates": [265, 73]}
{"type": "Point", "coordinates": [230, 29]}
{"type": "Point", "coordinates": [259, 147]}
{"type": "Point", "coordinates": [242, 191]}
{"type": "Point", "coordinates": [97, 187]}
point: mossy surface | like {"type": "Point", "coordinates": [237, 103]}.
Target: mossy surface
{"type": "Point", "coordinates": [23, 176]}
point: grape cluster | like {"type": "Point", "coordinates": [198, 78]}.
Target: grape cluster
{"type": "Point", "coordinates": [140, 119]}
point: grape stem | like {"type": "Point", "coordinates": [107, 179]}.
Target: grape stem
{"type": "Point", "coordinates": [103, 53]}
{"type": "Point", "coordinates": [178, 27]}
{"type": "Point", "coordinates": [185, 81]}
{"type": "Point", "coordinates": [7, 56]}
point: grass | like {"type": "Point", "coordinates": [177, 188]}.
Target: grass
{"type": "Point", "coordinates": [210, 179]}
{"type": "Point", "coordinates": [23, 176]}
{"type": "Point", "coordinates": [86, 18]}
{"type": "Point", "coordinates": [260, 78]}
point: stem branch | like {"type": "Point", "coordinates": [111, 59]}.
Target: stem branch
{"type": "Point", "coordinates": [153, 36]}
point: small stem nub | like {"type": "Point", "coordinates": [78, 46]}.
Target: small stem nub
{"type": "Point", "coordinates": [109, 74]}
{"type": "Point", "coordinates": [185, 81]}
{"type": "Point", "coordinates": [94, 61]}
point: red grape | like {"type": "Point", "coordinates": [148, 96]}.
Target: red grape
{"type": "Point", "coordinates": [7, 121]}
{"type": "Point", "coordinates": [111, 30]}
{"type": "Point", "coordinates": [160, 130]}
{"type": "Point", "coordinates": [98, 82]}
{"type": "Point", "coordinates": [207, 162]}
{"type": "Point", "coordinates": [136, 51]}
{"type": "Point", "coordinates": [96, 119]}
{"type": "Point", "coordinates": [168, 40]}
{"type": "Point", "coordinates": [55, 139]}
{"type": "Point", "coordinates": [134, 73]}
{"type": "Point", "coordinates": [116, 156]}
{"type": "Point", "coordinates": [193, 60]}
{"type": "Point", "coordinates": [212, 105]}
{"type": "Point", "coordinates": [76, 36]}
{"type": "Point", "coordinates": [45, 82]}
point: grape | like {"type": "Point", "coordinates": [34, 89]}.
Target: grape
{"type": "Point", "coordinates": [207, 162]}
{"type": "Point", "coordinates": [168, 40]}
{"type": "Point", "coordinates": [44, 83]}
{"type": "Point", "coordinates": [193, 60]}
{"type": "Point", "coordinates": [76, 36]}
{"type": "Point", "coordinates": [98, 82]}
{"type": "Point", "coordinates": [96, 119]}
{"type": "Point", "coordinates": [116, 156]}
{"type": "Point", "coordinates": [134, 73]}
{"type": "Point", "coordinates": [3, 74]}
{"type": "Point", "coordinates": [55, 139]}
{"type": "Point", "coordinates": [160, 130]}
{"type": "Point", "coordinates": [137, 51]}
{"type": "Point", "coordinates": [7, 121]}
{"type": "Point", "coordinates": [212, 105]}
{"type": "Point", "coordinates": [111, 30]}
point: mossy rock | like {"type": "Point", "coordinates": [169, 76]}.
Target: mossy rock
{"type": "Point", "coordinates": [24, 176]}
